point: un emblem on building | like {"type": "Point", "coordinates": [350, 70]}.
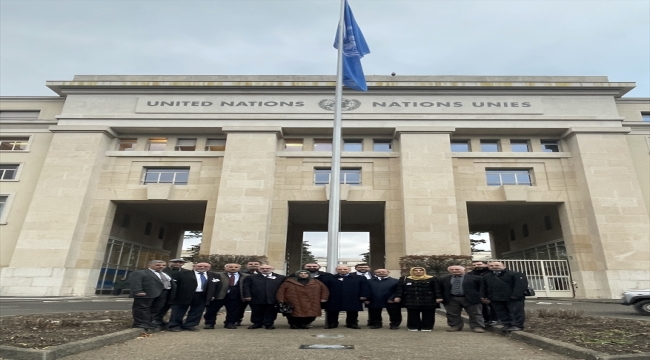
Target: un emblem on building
{"type": "Point", "coordinates": [346, 104]}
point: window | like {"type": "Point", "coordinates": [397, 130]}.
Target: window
{"type": "Point", "coordinates": [352, 145]}
{"type": "Point", "coordinates": [550, 146]}
{"type": "Point", "coordinates": [19, 115]}
{"type": "Point", "coordinates": [126, 221]}
{"type": "Point", "coordinates": [293, 144]}
{"type": "Point", "coordinates": [383, 145]}
{"type": "Point", "coordinates": [645, 117]}
{"type": "Point", "coordinates": [127, 144]}
{"type": "Point", "coordinates": [177, 176]}
{"type": "Point", "coordinates": [147, 228]}
{"type": "Point", "coordinates": [18, 143]}
{"type": "Point", "coordinates": [519, 146]}
{"type": "Point", "coordinates": [322, 144]}
{"type": "Point", "coordinates": [460, 146]}
{"type": "Point", "coordinates": [215, 145]}
{"type": "Point", "coordinates": [3, 204]}
{"type": "Point", "coordinates": [8, 172]}
{"type": "Point", "coordinates": [498, 177]}
{"type": "Point", "coordinates": [348, 176]}
{"type": "Point", "coordinates": [157, 144]}
{"type": "Point", "coordinates": [185, 145]}
{"type": "Point", "coordinates": [490, 146]}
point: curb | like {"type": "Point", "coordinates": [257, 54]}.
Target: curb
{"type": "Point", "coordinates": [59, 351]}
{"type": "Point", "coordinates": [559, 347]}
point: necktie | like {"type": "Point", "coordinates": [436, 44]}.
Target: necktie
{"type": "Point", "coordinates": [231, 281]}
{"type": "Point", "coordinates": [164, 280]}
{"type": "Point", "coordinates": [456, 287]}
{"type": "Point", "coordinates": [204, 280]}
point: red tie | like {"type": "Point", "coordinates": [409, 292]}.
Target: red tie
{"type": "Point", "coordinates": [231, 281]}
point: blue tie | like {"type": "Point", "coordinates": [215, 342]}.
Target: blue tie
{"type": "Point", "coordinates": [204, 280]}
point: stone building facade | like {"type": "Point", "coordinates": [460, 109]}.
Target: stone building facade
{"type": "Point", "coordinates": [109, 174]}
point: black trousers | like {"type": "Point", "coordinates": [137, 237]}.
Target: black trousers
{"type": "Point", "coordinates": [263, 314]}
{"type": "Point", "coordinates": [332, 318]}
{"type": "Point", "coordinates": [420, 319]}
{"type": "Point", "coordinates": [242, 311]}
{"type": "Point", "coordinates": [300, 321]}
{"type": "Point", "coordinates": [394, 316]}
{"type": "Point", "coordinates": [233, 307]}
{"type": "Point", "coordinates": [195, 308]}
{"type": "Point", "coordinates": [489, 314]}
{"type": "Point", "coordinates": [145, 310]}
{"type": "Point", "coordinates": [511, 313]}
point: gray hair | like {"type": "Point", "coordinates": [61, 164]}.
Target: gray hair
{"type": "Point", "coordinates": [156, 262]}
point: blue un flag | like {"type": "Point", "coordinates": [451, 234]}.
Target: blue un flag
{"type": "Point", "coordinates": [354, 48]}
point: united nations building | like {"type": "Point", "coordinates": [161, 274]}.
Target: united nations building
{"type": "Point", "coordinates": [111, 171]}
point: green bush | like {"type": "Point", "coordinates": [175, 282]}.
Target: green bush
{"type": "Point", "coordinates": [435, 265]}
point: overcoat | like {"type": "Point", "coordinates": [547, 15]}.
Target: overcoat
{"type": "Point", "coordinates": [509, 285]}
{"type": "Point", "coordinates": [345, 292]}
{"type": "Point", "coordinates": [262, 290]}
{"type": "Point", "coordinates": [381, 291]}
{"type": "Point", "coordinates": [306, 299]}
{"type": "Point", "coordinates": [186, 285]}
{"type": "Point", "coordinates": [418, 294]}
{"type": "Point", "coordinates": [473, 288]}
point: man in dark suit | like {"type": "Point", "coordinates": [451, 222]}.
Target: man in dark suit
{"type": "Point", "coordinates": [505, 291]}
{"type": "Point", "coordinates": [227, 292]}
{"type": "Point", "coordinates": [259, 290]}
{"type": "Point", "coordinates": [314, 271]}
{"type": "Point", "coordinates": [347, 293]}
{"type": "Point", "coordinates": [382, 289]}
{"type": "Point", "coordinates": [191, 294]}
{"type": "Point", "coordinates": [150, 290]}
{"type": "Point", "coordinates": [480, 268]}
{"type": "Point", "coordinates": [174, 267]}
{"type": "Point", "coordinates": [252, 268]}
{"type": "Point", "coordinates": [463, 291]}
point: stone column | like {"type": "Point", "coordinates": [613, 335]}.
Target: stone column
{"type": "Point", "coordinates": [606, 225]}
{"type": "Point", "coordinates": [428, 191]}
{"type": "Point", "coordinates": [46, 261]}
{"type": "Point", "coordinates": [243, 214]}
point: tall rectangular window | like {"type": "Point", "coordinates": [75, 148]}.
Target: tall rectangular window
{"type": "Point", "coordinates": [293, 144]}
{"type": "Point", "coordinates": [645, 116]}
{"type": "Point", "coordinates": [550, 146]}
{"type": "Point", "coordinates": [498, 177]}
{"type": "Point", "coordinates": [352, 145]}
{"type": "Point", "coordinates": [8, 172]}
{"type": "Point", "coordinates": [382, 145]}
{"type": "Point", "coordinates": [176, 176]}
{"type": "Point", "coordinates": [322, 144]}
{"type": "Point", "coordinates": [157, 144]}
{"type": "Point", "coordinates": [490, 146]}
{"type": "Point", "coordinates": [185, 145]}
{"type": "Point", "coordinates": [3, 204]}
{"type": "Point", "coordinates": [215, 145]}
{"type": "Point", "coordinates": [460, 146]}
{"type": "Point", "coordinates": [127, 144]}
{"type": "Point", "coordinates": [14, 143]}
{"type": "Point", "coordinates": [348, 176]}
{"type": "Point", "coordinates": [519, 146]}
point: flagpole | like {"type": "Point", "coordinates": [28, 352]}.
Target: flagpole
{"type": "Point", "coordinates": [334, 215]}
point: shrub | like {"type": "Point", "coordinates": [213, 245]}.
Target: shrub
{"type": "Point", "coordinates": [435, 265]}
{"type": "Point", "coordinates": [558, 313]}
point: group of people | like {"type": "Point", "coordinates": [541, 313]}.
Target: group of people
{"type": "Point", "coordinates": [489, 294]}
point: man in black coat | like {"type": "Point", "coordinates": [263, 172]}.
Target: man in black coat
{"type": "Point", "coordinates": [191, 294]}
{"type": "Point", "coordinates": [382, 289]}
{"type": "Point", "coordinates": [314, 271]}
{"type": "Point", "coordinates": [480, 268]}
{"type": "Point", "coordinates": [174, 267]}
{"type": "Point", "coordinates": [259, 290]}
{"type": "Point", "coordinates": [150, 290]}
{"type": "Point", "coordinates": [347, 293]}
{"type": "Point", "coordinates": [463, 291]}
{"type": "Point", "coordinates": [226, 291]}
{"type": "Point", "coordinates": [505, 291]}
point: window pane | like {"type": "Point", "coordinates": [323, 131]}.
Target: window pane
{"type": "Point", "coordinates": [150, 178]}
{"type": "Point", "coordinates": [523, 179]}
{"type": "Point", "coordinates": [8, 172]}
{"type": "Point", "coordinates": [322, 145]}
{"type": "Point", "coordinates": [493, 179]}
{"type": "Point", "coordinates": [293, 144]}
{"type": "Point", "coordinates": [550, 146]}
{"type": "Point", "coordinates": [489, 146]}
{"type": "Point", "coordinates": [460, 146]}
{"type": "Point", "coordinates": [215, 145]}
{"type": "Point", "coordinates": [166, 177]}
{"type": "Point", "coordinates": [157, 144]}
{"type": "Point", "coordinates": [382, 145]}
{"type": "Point", "coordinates": [645, 117]}
{"type": "Point", "coordinates": [186, 145]}
{"type": "Point", "coordinates": [519, 146]}
{"type": "Point", "coordinates": [181, 178]}
{"type": "Point", "coordinates": [352, 145]}
{"type": "Point", "coordinates": [508, 179]}
{"type": "Point", "coordinates": [127, 144]}
{"type": "Point", "coordinates": [13, 143]}
{"type": "Point", "coordinates": [3, 202]}
{"type": "Point", "coordinates": [353, 178]}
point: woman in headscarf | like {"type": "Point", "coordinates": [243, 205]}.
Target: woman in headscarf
{"type": "Point", "coordinates": [305, 295]}
{"type": "Point", "coordinates": [418, 293]}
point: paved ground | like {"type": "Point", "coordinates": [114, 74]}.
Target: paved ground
{"type": "Point", "coordinates": [283, 343]}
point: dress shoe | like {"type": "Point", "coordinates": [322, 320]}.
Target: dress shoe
{"type": "Point", "coordinates": [478, 330]}
{"type": "Point", "coordinates": [491, 323]}
{"type": "Point", "coordinates": [175, 329]}
{"type": "Point", "coordinates": [305, 327]}
{"type": "Point", "coordinates": [270, 327]}
{"type": "Point", "coordinates": [353, 326]}
{"type": "Point", "coordinates": [209, 327]}
{"type": "Point", "coordinates": [238, 323]}
{"type": "Point", "coordinates": [330, 326]}
{"type": "Point", "coordinates": [230, 326]}
{"type": "Point", "coordinates": [454, 329]}
{"type": "Point", "coordinates": [192, 328]}
{"type": "Point", "coordinates": [394, 327]}
{"type": "Point", "coordinates": [255, 326]}
{"type": "Point", "coordinates": [296, 327]}
{"type": "Point", "coordinates": [513, 328]}
{"type": "Point", "coordinates": [375, 327]}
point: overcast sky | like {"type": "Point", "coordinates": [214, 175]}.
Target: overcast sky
{"type": "Point", "coordinates": [56, 39]}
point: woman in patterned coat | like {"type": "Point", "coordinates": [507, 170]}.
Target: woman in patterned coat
{"type": "Point", "coordinates": [305, 295]}
{"type": "Point", "coordinates": [418, 293]}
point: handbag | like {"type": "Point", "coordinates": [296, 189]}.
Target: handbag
{"type": "Point", "coordinates": [284, 308]}
{"type": "Point", "coordinates": [529, 291]}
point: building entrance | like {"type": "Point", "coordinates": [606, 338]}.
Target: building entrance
{"type": "Point", "coordinates": [307, 216]}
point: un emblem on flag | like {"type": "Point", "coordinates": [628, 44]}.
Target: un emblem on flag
{"type": "Point", "coordinates": [346, 104]}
